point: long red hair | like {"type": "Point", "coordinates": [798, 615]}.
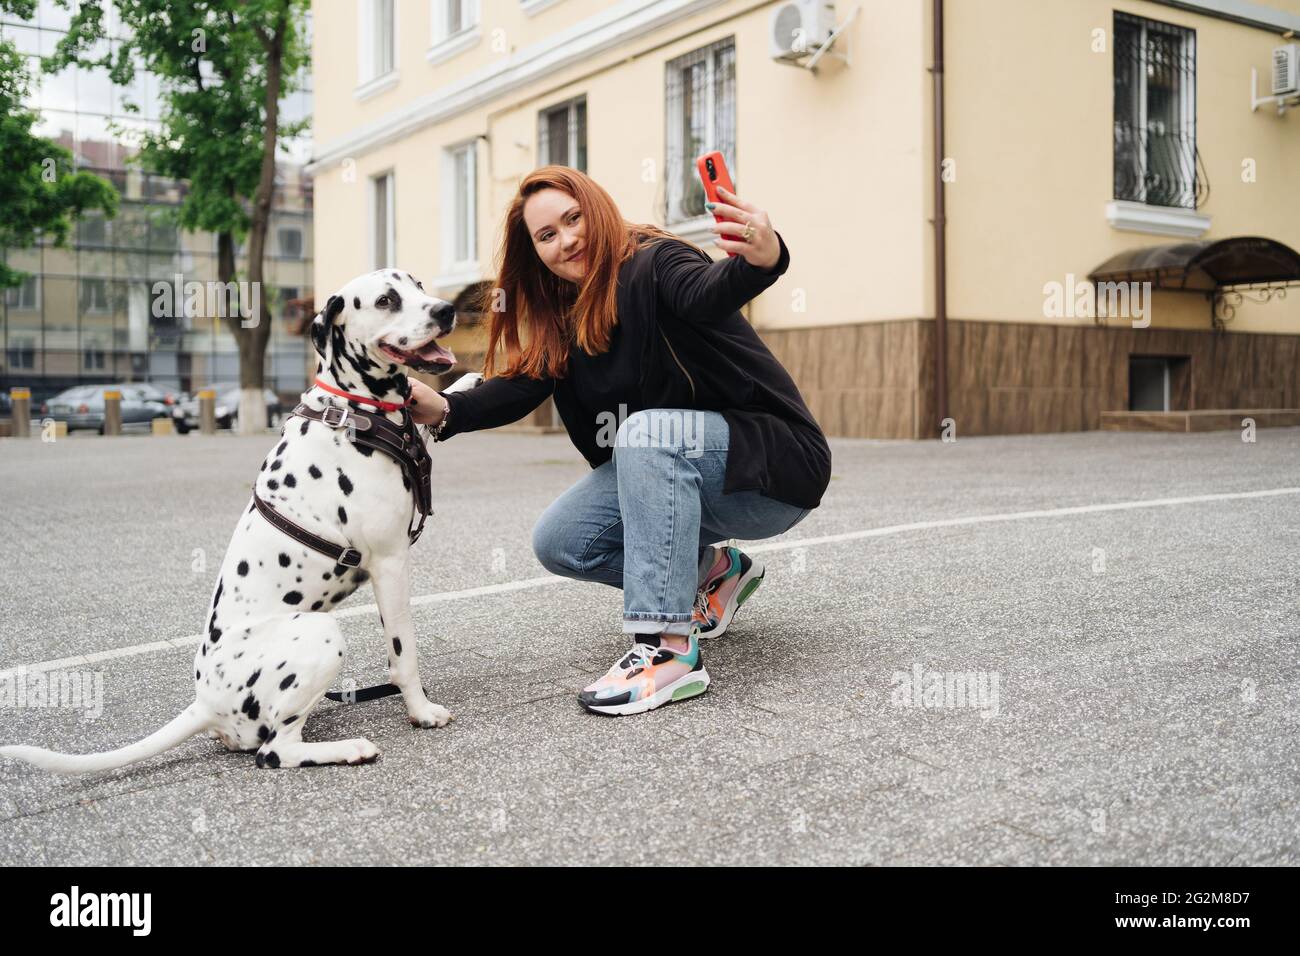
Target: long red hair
{"type": "Point", "coordinates": [535, 314]}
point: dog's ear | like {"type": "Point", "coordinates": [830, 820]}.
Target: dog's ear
{"type": "Point", "coordinates": [320, 326]}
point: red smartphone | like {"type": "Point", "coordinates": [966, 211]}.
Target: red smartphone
{"type": "Point", "coordinates": [713, 173]}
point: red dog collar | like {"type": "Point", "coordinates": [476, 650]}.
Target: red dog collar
{"type": "Point", "coordinates": [385, 406]}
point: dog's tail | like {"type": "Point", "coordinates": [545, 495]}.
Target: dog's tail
{"type": "Point", "coordinates": [191, 720]}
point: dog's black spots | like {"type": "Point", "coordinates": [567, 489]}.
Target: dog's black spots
{"type": "Point", "coordinates": [284, 684]}
{"type": "Point", "coordinates": [284, 560]}
{"type": "Point", "coordinates": [275, 465]}
{"type": "Point", "coordinates": [397, 646]}
{"type": "Point", "coordinates": [251, 707]}
{"type": "Point", "coordinates": [250, 508]}
{"type": "Point", "coordinates": [296, 616]}
{"type": "Point", "coordinates": [305, 423]}
{"type": "Point", "coordinates": [216, 598]}
{"type": "Point", "coordinates": [214, 635]}
{"type": "Point", "coordinates": [362, 576]}
{"type": "Point", "coordinates": [271, 739]}
{"type": "Point", "coordinates": [252, 678]}
{"type": "Point", "coordinates": [340, 570]}
{"type": "Point", "coordinates": [273, 760]}
{"type": "Point", "coordinates": [205, 650]}
{"type": "Point", "coordinates": [283, 445]}
{"type": "Point", "coordinates": [290, 481]}
{"type": "Point", "coordinates": [272, 484]}
{"type": "Point", "coordinates": [356, 302]}
{"type": "Point", "coordinates": [313, 471]}
{"type": "Point", "coordinates": [397, 277]}
{"type": "Point", "coordinates": [317, 605]}
{"type": "Point", "coordinates": [260, 761]}
{"type": "Point", "coordinates": [406, 483]}
{"type": "Point", "coordinates": [325, 576]}
{"type": "Point", "coordinates": [297, 580]}
{"type": "Point", "coordinates": [263, 732]}
{"type": "Point", "coordinates": [293, 597]}
{"type": "Point", "coordinates": [263, 468]}
{"type": "Point", "coordinates": [392, 368]}
{"type": "Point", "coordinates": [338, 597]}
{"type": "Point", "coordinates": [288, 720]}
{"type": "Point", "coordinates": [242, 569]}
{"type": "Point", "coordinates": [259, 564]}
{"type": "Point", "coordinates": [196, 675]}
{"type": "Point", "coordinates": [343, 515]}
{"type": "Point", "coordinates": [345, 483]}
{"type": "Point", "coordinates": [365, 451]}
{"type": "Point", "coordinates": [340, 653]}
{"type": "Point", "coordinates": [307, 763]}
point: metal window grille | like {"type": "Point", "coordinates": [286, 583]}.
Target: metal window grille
{"type": "Point", "coordinates": [562, 135]}
{"type": "Point", "coordinates": [700, 109]}
{"type": "Point", "coordinates": [1156, 160]}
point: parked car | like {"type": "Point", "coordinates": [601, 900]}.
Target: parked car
{"type": "Point", "coordinates": [82, 406]}
{"type": "Point", "coordinates": [185, 414]}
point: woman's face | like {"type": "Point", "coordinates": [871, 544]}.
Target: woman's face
{"type": "Point", "coordinates": [558, 230]}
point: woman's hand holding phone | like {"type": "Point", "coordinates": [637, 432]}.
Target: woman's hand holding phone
{"type": "Point", "coordinates": [762, 249]}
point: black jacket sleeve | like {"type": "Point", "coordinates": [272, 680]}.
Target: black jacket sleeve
{"type": "Point", "coordinates": [696, 288]}
{"type": "Point", "coordinates": [498, 401]}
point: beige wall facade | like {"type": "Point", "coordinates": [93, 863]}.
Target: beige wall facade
{"type": "Point", "coordinates": [841, 160]}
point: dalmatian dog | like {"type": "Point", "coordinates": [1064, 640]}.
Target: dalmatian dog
{"type": "Point", "coordinates": [271, 648]}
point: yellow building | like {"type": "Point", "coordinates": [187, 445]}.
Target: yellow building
{"type": "Point", "coordinates": [1113, 139]}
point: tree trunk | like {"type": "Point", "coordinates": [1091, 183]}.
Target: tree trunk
{"type": "Point", "coordinates": [252, 341]}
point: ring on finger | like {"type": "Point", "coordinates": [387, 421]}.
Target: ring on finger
{"type": "Point", "coordinates": [748, 233]}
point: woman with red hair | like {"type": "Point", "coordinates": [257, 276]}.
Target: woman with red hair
{"type": "Point", "coordinates": [694, 431]}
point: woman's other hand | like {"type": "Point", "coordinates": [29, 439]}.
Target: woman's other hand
{"type": "Point", "coordinates": [762, 250]}
{"type": "Point", "coordinates": [427, 406]}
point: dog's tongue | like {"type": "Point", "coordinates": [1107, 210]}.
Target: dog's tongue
{"type": "Point", "coordinates": [433, 352]}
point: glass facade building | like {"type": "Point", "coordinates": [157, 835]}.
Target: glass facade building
{"type": "Point", "coordinates": [86, 313]}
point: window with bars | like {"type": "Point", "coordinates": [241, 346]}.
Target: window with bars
{"type": "Point", "coordinates": [562, 135]}
{"type": "Point", "coordinates": [700, 110]}
{"type": "Point", "coordinates": [1156, 160]}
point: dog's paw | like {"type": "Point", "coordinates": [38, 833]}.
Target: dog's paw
{"type": "Point", "coordinates": [360, 751]}
{"type": "Point", "coordinates": [430, 715]}
{"type": "Point", "coordinates": [467, 381]}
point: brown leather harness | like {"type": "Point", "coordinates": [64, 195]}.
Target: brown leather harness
{"type": "Point", "coordinates": [370, 430]}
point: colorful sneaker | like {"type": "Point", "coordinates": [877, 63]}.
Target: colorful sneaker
{"type": "Point", "coordinates": [729, 583]}
{"type": "Point", "coordinates": [647, 677]}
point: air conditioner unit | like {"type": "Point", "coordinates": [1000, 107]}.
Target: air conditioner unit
{"type": "Point", "coordinates": [799, 27]}
{"type": "Point", "coordinates": [1286, 69]}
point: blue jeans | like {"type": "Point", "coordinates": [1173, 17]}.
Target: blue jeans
{"type": "Point", "coordinates": [643, 521]}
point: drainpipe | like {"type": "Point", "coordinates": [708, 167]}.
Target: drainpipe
{"type": "Point", "coordinates": [940, 251]}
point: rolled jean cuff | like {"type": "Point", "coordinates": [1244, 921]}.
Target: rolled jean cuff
{"type": "Point", "coordinates": [664, 624]}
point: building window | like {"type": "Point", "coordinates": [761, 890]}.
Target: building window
{"type": "Point", "coordinates": [378, 38]}
{"type": "Point", "coordinates": [562, 135]}
{"type": "Point", "coordinates": [94, 295]}
{"type": "Point", "coordinates": [450, 17]}
{"type": "Point", "coordinates": [1156, 161]}
{"type": "Point", "coordinates": [461, 243]}
{"type": "Point", "coordinates": [92, 358]}
{"type": "Point", "coordinates": [290, 242]}
{"type": "Point", "coordinates": [22, 354]}
{"type": "Point", "coordinates": [25, 297]}
{"type": "Point", "coordinates": [701, 115]}
{"type": "Point", "coordinates": [383, 233]}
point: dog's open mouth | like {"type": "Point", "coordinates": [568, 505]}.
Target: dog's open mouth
{"type": "Point", "coordinates": [429, 357]}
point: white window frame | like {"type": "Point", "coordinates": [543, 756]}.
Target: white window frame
{"type": "Point", "coordinates": [534, 7]}
{"type": "Point", "coordinates": [390, 214]}
{"type": "Point", "coordinates": [571, 108]}
{"type": "Point", "coordinates": [694, 228]}
{"type": "Point", "coordinates": [13, 296]}
{"type": "Point", "coordinates": [98, 282]}
{"type": "Point", "coordinates": [369, 81]}
{"type": "Point", "coordinates": [443, 43]}
{"type": "Point", "coordinates": [459, 272]}
{"type": "Point", "coordinates": [279, 240]}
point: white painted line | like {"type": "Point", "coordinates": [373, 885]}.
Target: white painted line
{"type": "Point", "coordinates": [193, 640]}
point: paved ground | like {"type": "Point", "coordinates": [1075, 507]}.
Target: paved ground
{"type": "Point", "coordinates": [1144, 711]}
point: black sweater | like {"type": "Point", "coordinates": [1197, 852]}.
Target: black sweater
{"type": "Point", "coordinates": [680, 342]}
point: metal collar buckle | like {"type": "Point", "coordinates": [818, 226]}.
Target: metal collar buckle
{"type": "Point", "coordinates": [342, 416]}
{"type": "Point", "coordinates": [350, 558]}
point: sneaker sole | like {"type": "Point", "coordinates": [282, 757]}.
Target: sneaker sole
{"type": "Point", "coordinates": [749, 582]}
{"type": "Point", "coordinates": [689, 685]}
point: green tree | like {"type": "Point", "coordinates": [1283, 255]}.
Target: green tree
{"type": "Point", "coordinates": [223, 66]}
{"type": "Point", "coordinates": [41, 192]}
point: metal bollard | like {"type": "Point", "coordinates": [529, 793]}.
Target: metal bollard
{"type": "Point", "coordinates": [207, 411]}
{"type": "Point", "coordinates": [21, 399]}
{"type": "Point", "coordinates": [112, 412]}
